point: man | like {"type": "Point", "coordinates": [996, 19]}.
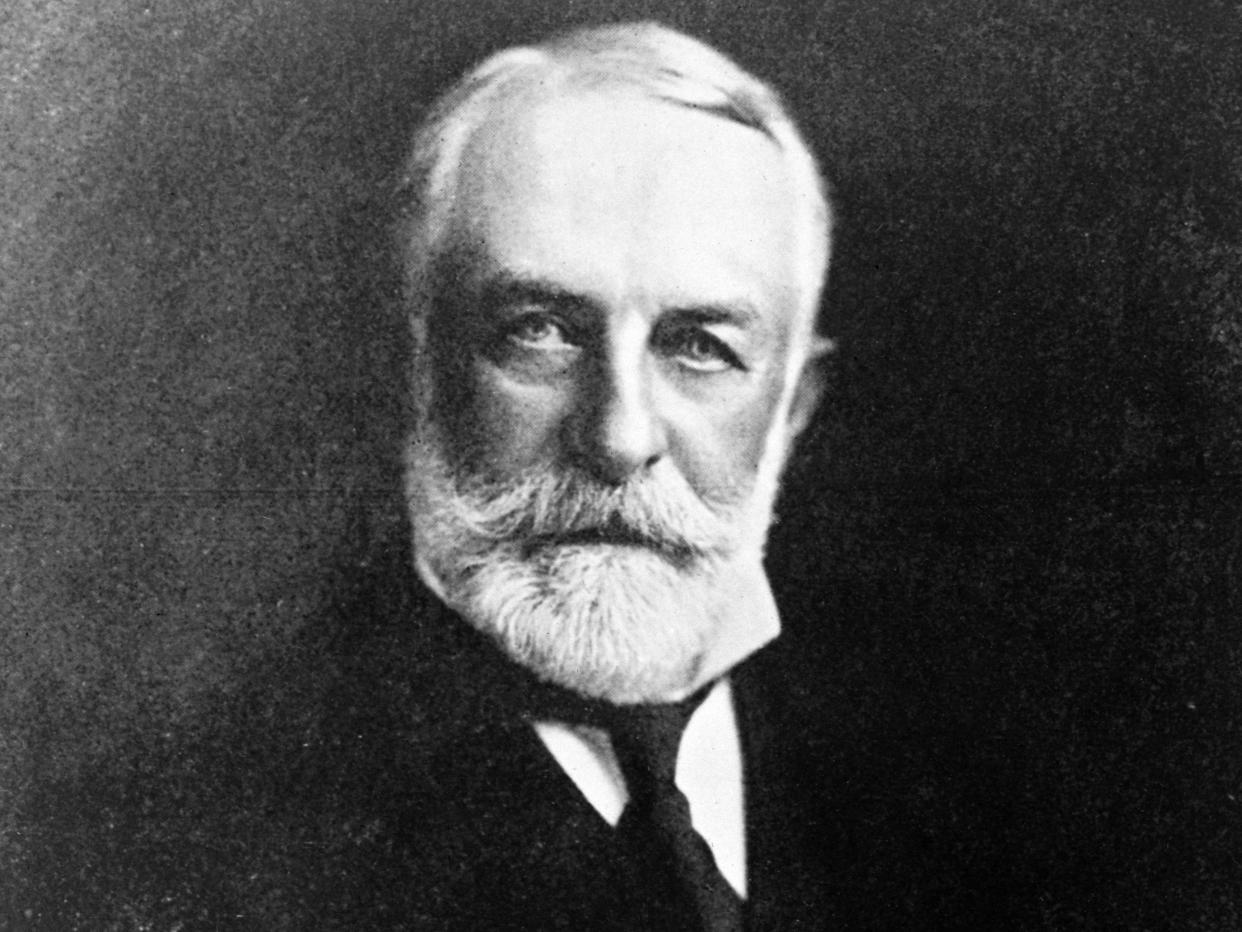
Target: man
{"type": "Point", "coordinates": [616, 246]}
{"type": "Point", "coordinates": [564, 701]}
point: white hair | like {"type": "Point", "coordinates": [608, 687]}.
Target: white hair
{"type": "Point", "coordinates": [626, 624]}
{"type": "Point", "coordinates": [646, 58]}
{"type": "Point", "coordinates": [632, 623]}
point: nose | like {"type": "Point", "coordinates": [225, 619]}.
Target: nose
{"type": "Point", "coordinates": [617, 431]}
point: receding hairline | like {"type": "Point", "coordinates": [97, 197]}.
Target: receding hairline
{"type": "Point", "coordinates": [533, 125]}
{"type": "Point", "coordinates": [647, 59]}
{"type": "Point", "coordinates": [532, 90]}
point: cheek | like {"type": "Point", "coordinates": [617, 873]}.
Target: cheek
{"type": "Point", "coordinates": [720, 449]}
{"type": "Point", "coordinates": [501, 425]}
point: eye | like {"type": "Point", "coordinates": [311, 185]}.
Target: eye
{"type": "Point", "coordinates": [537, 330]}
{"type": "Point", "coordinates": [699, 349]}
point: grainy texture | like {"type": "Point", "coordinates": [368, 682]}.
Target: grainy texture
{"type": "Point", "coordinates": [1023, 497]}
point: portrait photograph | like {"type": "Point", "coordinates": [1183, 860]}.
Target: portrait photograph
{"type": "Point", "coordinates": [685, 465]}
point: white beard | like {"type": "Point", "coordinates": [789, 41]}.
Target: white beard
{"type": "Point", "coordinates": [628, 618]}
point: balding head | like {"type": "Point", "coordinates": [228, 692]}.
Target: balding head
{"type": "Point", "coordinates": [616, 245]}
{"type": "Point", "coordinates": [634, 59]}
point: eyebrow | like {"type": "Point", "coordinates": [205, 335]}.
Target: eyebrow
{"type": "Point", "coordinates": [737, 313]}
{"type": "Point", "coordinates": [507, 287]}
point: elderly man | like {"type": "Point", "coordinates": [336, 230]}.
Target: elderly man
{"type": "Point", "coordinates": [616, 246]}
{"type": "Point", "coordinates": [570, 712]}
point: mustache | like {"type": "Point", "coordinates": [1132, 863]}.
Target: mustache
{"type": "Point", "coordinates": [549, 507]}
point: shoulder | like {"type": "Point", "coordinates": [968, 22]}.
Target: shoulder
{"type": "Point", "coordinates": [330, 771]}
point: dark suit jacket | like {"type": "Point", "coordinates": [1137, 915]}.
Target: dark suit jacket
{"type": "Point", "coordinates": [475, 826]}
{"type": "Point", "coordinates": [378, 775]}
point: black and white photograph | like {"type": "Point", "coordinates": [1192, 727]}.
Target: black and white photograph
{"type": "Point", "coordinates": [635, 466]}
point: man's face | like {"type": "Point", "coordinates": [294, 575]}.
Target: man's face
{"type": "Point", "coordinates": [610, 345]}
{"type": "Point", "coordinates": [627, 293]}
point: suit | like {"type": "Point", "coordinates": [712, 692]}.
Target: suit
{"type": "Point", "coordinates": [379, 775]}
{"type": "Point", "coordinates": [498, 836]}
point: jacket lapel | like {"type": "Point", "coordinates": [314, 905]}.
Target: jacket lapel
{"type": "Point", "coordinates": [786, 839]}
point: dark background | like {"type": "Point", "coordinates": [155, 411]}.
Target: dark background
{"type": "Point", "coordinates": [1020, 511]}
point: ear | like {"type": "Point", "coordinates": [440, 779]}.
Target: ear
{"type": "Point", "coordinates": [810, 388]}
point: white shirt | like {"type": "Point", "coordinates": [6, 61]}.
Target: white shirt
{"type": "Point", "coordinates": [709, 762]}
{"type": "Point", "coordinates": [709, 773]}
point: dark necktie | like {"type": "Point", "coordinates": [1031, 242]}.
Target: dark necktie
{"type": "Point", "coordinates": [685, 888]}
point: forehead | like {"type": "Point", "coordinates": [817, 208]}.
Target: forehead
{"type": "Point", "coordinates": [614, 193]}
